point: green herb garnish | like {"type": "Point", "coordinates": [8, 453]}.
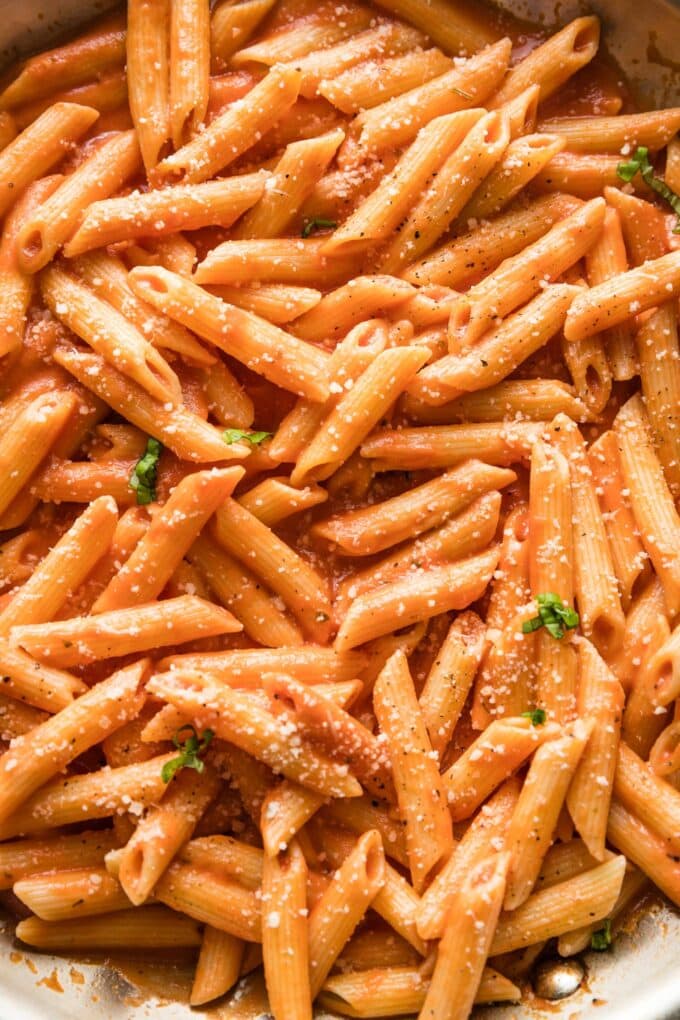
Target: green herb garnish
{"type": "Point", "coordinates": [640, 164]}
{"type": "Point", "coordinates": [190, 751]}
{"type": "Point", "coordinates": [317, 224]}
{"type": "Point", "coordinates": [553, 615]}
{"type": "Point", "coordinates": [462, 92]}
{"type": "Point", "coordinates": [143, 478]}
{"type": "Point", "coordinates": [602, 938]}
{"type": "Point", "coordinates": [537, 716]}
{"type": "Point", "coordinates": [236, 435]}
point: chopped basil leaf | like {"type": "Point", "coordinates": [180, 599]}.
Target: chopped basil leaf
{"type": "Point", "coordinates": [143, 478]}
{"type": "Point", "coordinates": [553, 615]}
{"type": "Point", "coordinates": [236, 435]}
{"type": "Point", "coordinates": [602, 938]}
{"type": "Point", "coordinates": [537, 716]}
{"type": "Point", "coordinates": [317, 224]}
{"type": "Point", "coordinates": [640, 164]}
{"type": "Point", "coordinates": [190, 751]}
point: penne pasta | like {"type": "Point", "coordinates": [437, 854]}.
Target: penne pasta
{"type": "Point", "coordinates": [79, 60]}
{"type": "Point", "coordinates": [28, 440]}
{"type": "Point", "coordinates": [489, 760]}
{"type": "Point", "coordinates": [380, 213]}
{"type": "Point", "coordinates": [468, 532]}
{"type": "Point", "coordinates": [16, 718]}
{"type": "Point", "coordinates": [66, 895]}
{"type": "Point", "coordinates": [536, 815]}
{"type": "Point", "coordinates": [521, 399]}
{"type": "Point", "coordinates": [151, 928]}
{"type": "Point", "coordinates": [455, 31]}
{"type": "Point", "coordinates": [319, 31]}
{"type": "Point", "coordinates": [595, 581]}
{"type": "Point", "coordinates": [617, 299]}
{"type": "Point", "coordinates": [110, 335]}
{"type": "Point", "coordinates": [309, 663]}
{"type": "Point", "coordinates": [163, 831]}
{"type": "Point", "coordinates": [517, 280]}
{"type": "Point", "coordinates": [238, 589]}
{"type": "Point", "coordinates": [233, 131]}
{"type": "Point", "coordinates": [385, 39]}
{"type": "Point", "coordinates": [350, 359]}
{"type": "Point", "coordinates": [231, 25]}
{"type": "Point", "coordinates": [157, 213]}
{"type": "Point", "coordinates": [473, 255]}
{"type": "Point", "coordinates": [605, 259]}
{"type": "Point", "coordinates": [372, 529]}
{"type": "Point", "coordinates": [645, 848]}
{"type": "Point", "coordinates": [211, 898]}
{"type": "Point", "coordinates": [600, 696]}
{"type": "Point", "coordinates": [34, 683]}
{"type": "Point", "coordinates": [219, 965]}
{"type": "Point", "coordinates": [564, 907]}
{"type": "Point", "coordinates": [300, 167]}
{"type": "Point", "coordinates": [398, 121]}
{"type": "Point", "coordinates": [27, 857]}
{"type": "Point", "coordinates": [298, 584]}
{"type": "Point", "coordinates": [450, 679]}
{"type": "Point", "coordinates": [189, 68]}
{"type": "Point", "coordinates": [411, 600]}
{"type": "Point", "coordinates": [420, 794]}
{"type": "Point", "coordinates": [651, 500]}
{"type": "Point", "coordinates": [649, 797]}
{"type": "Point", "coordinates": [342, 906]}
{"type": "Point", "coordinates": [657, 346]}
{"type": "Point", "coordinates": [107, 277]}
{"type": "Point", "coordinates": [375, 81]}
{"type": "Point", "coordinates": [110, 166]}
{"type": "Point", "coordinates": [357, 412]}
{"type": "Point", "coordinates": [339, 584]}
{"type": "Point", "coordinates": [553, 63]}
{"type": "Point", "coordinates": [465, 945]}
{"type": "Point", "coordinates": [611, 134]}
{"type": "Point", "coordinates": [39, 146]}
{"type": "Point", "coordinates": [274, 499]}
{"type": "Point", "coordinates": [170, 535]}
{"type": "Point", "coordinates": [80, 798]}
{"type": "Point", "coordinates": [147, 63]}
{"type": "Point", "coordinates": [343, 736]}
{"type": "Point", "coordinates": [107, 94]}
{"type": "Point", "coordinates": [410, 449]}
{"type": "Point", "coordinates": [500, 351]}
{"type": "Point", "coordinates": [57, 741]}
{"type": "Point", "coordinates": [17, 285]}
{"type": "Point", "coordinates": [185, 433]}
{"type": "Point", "coordinates": [628, 555]}
{"type": "Point", "coordinates": [254, 730]}
{"type": "Point", "coordinates": [286, 935]}
{"type": "Point", "coordinates": [485, 834]}
{"type": "Point", "coordinates": [391, 991]}
{"type": "Point", "coordinates": [457, 178]}
{"type": "Point", "coordinates": [64, 568]}
{"type": "Point", "coordinates": [262, 347]}
{"type": "Point", "coordinates": [122, 631]}
{"type": "Point", "coordinates": [523, 159]}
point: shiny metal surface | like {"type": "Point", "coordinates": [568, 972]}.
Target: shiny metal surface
{"type": "Point", "coordinates": [556, 979]}
{"type": "Point", "coordinates": [638, 979]}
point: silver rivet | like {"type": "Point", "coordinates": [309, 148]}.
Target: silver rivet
{"type": "Point", "coordinates": [557, 979]}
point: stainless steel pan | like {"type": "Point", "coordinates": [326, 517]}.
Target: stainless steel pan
{"type": "Point", "coordinates": [639, 979]}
